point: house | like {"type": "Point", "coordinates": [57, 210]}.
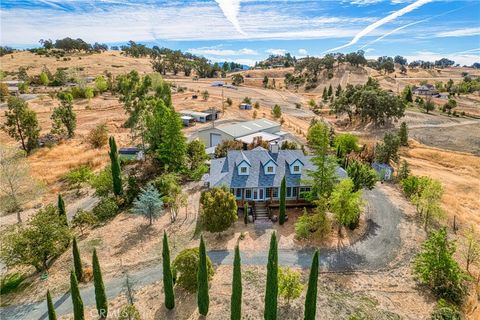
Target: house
{"type": "Point", "coordinates": [384, 171]}
{"type": "Point", "coordinates": [245, 106]}
{"type": "Point", "coordinates": [211, 137]}
{"type": "Point", "coordinates": [256, 175]}
{"type": "Point", "coordinates": [131, 153]}
{"type": "Point", "coordinates": [425, 90]}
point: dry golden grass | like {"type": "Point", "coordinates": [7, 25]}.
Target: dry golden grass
{"type": "Point", "coordinates": [51, 164]}
{"type": "Point", "coordinates": [92, 64]}
{"type": "Point", "coordinates": [459, 174]}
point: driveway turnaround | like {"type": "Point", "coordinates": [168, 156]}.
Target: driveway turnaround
{"type": "Point", "coordinates": [373, 251]}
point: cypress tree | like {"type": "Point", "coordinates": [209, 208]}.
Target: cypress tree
{"type": "Point", "coordinates": [167, 275]}
{"type": "Point", "coordinates": [62, 212]}
{"type": "Point", "coordinates": [77, 262]}
{"type": "Point", "coordinates": [330, 90]}
{"type": "Point", "coordinates": [283, 192]}
{"type": "Point", "coordinates": [236, 301]}
{"type": "Point", "coordinates": [403, 134]}
{"type": "Point", "coordinates": [339, 90]}
{"type": "Point", "coordinates": [245, 214]}
{"type": "Point", "coordinates": [202, 276]}
{"type": "Point", "coordinates": [311, 298]}
{"type": "Point", "coordinates": [271, 292]}
{"type": "Point", "coordinates": [78, 312]}
{"type": "Point", "coordinates": [100, 296]}
{"type": "Point", "coordinates": [116, 172]}
{"type": "Point", "coordinates": [51, 309]}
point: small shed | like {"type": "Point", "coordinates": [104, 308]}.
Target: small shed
{"type": "Point", "coordinates": [245, 106]}
{"type": "Point", "coordinates": [188, 121]}
{"type": "Point", "coordinates": [218, 84]}
{"type": "Point", "coordinates": [384, 171]}
{"type": "Point", "coordinates": [131, 153]}
{"type": "Point", "coordinates": [213, 114]}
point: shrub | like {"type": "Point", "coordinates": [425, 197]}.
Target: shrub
{"type": "Point", "coordinates": [11, 282]}
{"type": "Point", "coordinates": [219, 209]}
{"type": "Point", "coordinates": [345, 143]}
{"type": "Point", "coordinates": [308, 225]}
{"type": "Point", "coordinates": [289, 284]}
{"type": "Point", "coordinates": [78, 176]}
{"type": "Point", "coordinates": [129, 312]}
{"type": "Point", "coordinates": [410, 186]}
{"type": "Point", "coordinates": [445, 311]}
{"type": "Point", "coordinates": [84, 219]}
{"type": "Point", "coordinates": [185, 269]}
{"type": "Point", "coordinates": [105, 209]}
{"type": "Point", "coordinates": [98, 137]}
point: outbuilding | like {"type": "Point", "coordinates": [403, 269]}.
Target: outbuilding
{"type": "Point", "coordinates": [246, 106]}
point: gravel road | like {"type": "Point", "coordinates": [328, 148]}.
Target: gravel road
{"type": "Point", "coordinates": [374, 251]}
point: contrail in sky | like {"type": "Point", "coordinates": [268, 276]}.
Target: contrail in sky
{"type": "Point", "coordinates": [381, 22]}
{"type": "Point", "coordinates": [230, 9]}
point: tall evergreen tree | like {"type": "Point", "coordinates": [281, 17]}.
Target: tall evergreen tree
{"type": "Point", "coordinates": [78, 312]}
{"type": "Point", "coordinates": [311, 298]}
{"type": "Point", "coordinates": [245, 213]}
{"type": "Point", "coordinates": [271, 292]}
{"type": "Point", "coordinates": [236, 301]}
{"type": "Point", "coordinates": [403, 134]}
{"type": "Point", "coordinates": [203, 299]}
{"type": "Point", "coordinates": [283, 194]}
{"type": "Point", "coordinates": [77, 262]}
{"type": "Point", "coordinates": [116, 171]}
{"type": "Point", "coordinates": [62, 212]}
{"type": "Point", "coordinates": [167, 275]}
{"type": "Point", "coordinates": [339, 90]}
{"type": "Point", "coordinates": [51, 309]}
{"type": "Point", "coordinates": [100, 295]}
{"type": "Point", "coordinates": [330, 90]}
{"type": "Point", "coordinates": [325, 94]}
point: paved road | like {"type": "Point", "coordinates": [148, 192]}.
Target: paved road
{"type": "Point", "coordinates": [374, 251]}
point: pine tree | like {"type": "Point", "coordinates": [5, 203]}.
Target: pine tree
{"type": "Point", "coordinates": [116, 171]}
{"type": "Point", "coordinates": [311, 298]}
{"type": "Point", "coordinates": [77, 262]}
{"type": "Point", "coordinates": [283, 192]}
{"type": "Point", "coordinates": [330, 90]}
{"type": "Point", "coordinates": [51, 309]}
{"type": "Point", "coordinates": [403, 134]}
{"type": "Point", "coordinates": [78, 312]}
{"type": "Point", "coordinates": [245, 213]}
{"type": "Point", "coordinates": [271, 292]}
{"type": "Point", "coordinates": [202, 276]}
{"type": "Point", "coordinates": [339, 90]}
{"type": "Point", "coordinates": [325, 94]}
{"type": "Point", "coordinates": [100, 295]}
{"type": "Point", "coordinates": [61, 208]}
{"type": "Point", "coordinates": [236, 301]}
{"type": "Point", "coordinates": [404, 171]}
{"type": "Point", "coordinates": [167, 275]}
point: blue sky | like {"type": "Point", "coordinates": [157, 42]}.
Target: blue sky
{"type": "Point", "coordinates": [249, 30]}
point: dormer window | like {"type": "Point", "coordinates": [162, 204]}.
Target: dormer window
{"type": "Point", "coordinates": [296, 167]}
{"type": "Point", "coordinates": [270, 169]}
{"type": "Point", "coordinates": [243, 170]}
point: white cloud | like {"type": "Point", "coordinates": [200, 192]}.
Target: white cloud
{"type": "Point", "coordinates": [230, 9]}
{"type": "Point", "coordinates": [379, 23]}
{"type": "Point", "coordinates": [222, 52]}
{"type": "Point", "coordinates": [276, 51]}
{"type": "Point", "coordinates": [303, 52]}
{"type": "Point", "coordinates": [460, 33]}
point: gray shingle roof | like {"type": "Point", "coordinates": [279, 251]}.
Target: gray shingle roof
{"type": "Point", "coordinates": [223, 171]}
{"type": "Point", "coordinates": [248, 127]}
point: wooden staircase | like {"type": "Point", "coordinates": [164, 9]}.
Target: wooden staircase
{"type": "Point", "coordinates": [261, 211]}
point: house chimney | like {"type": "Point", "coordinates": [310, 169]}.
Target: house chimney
{"type": "Point", "coordinates": [274, 147]}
